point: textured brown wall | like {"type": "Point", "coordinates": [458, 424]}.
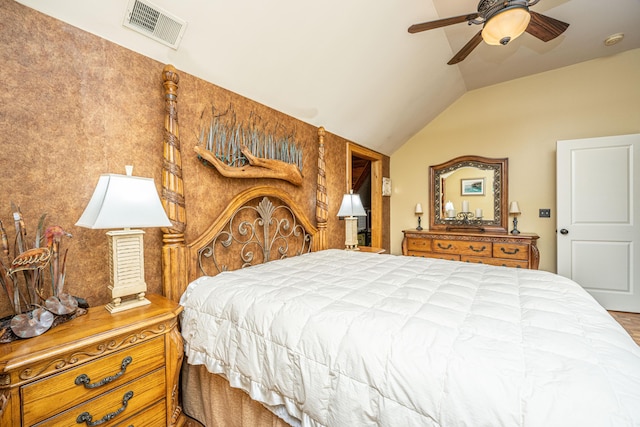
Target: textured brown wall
{"type": "Point", "coordinates": [75, 106]}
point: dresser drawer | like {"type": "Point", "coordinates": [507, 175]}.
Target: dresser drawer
{"type": "Point", "coordinates": [449, 257]}
{"type": "Point", "coordinates": [463, 247]}
{"type": "Point", "coordinates": [496, 261]}
{"type": "Point", "coordinates": [44, 398]}
{"type": "Point", "coordinates": [419, 253]}
{"type": "Point", "coordinates": [511, 251]}
{"type": "Point", "coordinates": [116, 405]}
{"type": "Point", "coordinates": [418, 244]}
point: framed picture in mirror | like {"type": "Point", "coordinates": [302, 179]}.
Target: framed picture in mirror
{"type": "Point", "coordinates": [472, 187]}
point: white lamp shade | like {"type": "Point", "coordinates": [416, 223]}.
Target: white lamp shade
{"type": "Point", "coordinates": [448, 206]}
{"type": "Point", "coordinates": [121, 201]}
{"type": "Point", "coordinates": [418, 209]}
{"type": "Point", "coordinates": [506, 25]}
{"type": "Point", "coordinates": [514, 208]}
{"type": "Point", "coordinates": [351, 206]}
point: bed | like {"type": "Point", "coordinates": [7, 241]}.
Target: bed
{"type": "Point", "coordinates": [280, 330]}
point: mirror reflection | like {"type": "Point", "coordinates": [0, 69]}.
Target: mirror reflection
{"type": "Point", "coordinates": [468, 189]}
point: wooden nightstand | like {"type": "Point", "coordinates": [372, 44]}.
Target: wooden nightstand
{"type": "Point", "coordinates": [120, 368]}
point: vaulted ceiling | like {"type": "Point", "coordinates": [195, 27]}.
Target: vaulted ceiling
{"type": "Point", "coordinates": [351, 66]}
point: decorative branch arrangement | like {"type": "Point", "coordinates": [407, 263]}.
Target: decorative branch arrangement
{"type": "Point", "coordinates": [250, 150]}
{"type": "Point", "coordinates": [36, 308]}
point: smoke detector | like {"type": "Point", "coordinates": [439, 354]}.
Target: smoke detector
{"type": "Point", "coordinates": [613, 39]}
{"type": "Point", "coordinates": [150, 20]}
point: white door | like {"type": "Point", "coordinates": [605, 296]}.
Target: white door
{"type": "Point", "coordinates": [598, 183]}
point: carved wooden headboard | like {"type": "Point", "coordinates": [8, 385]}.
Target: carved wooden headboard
{"type": "Point", "coordinates": [260, 224]}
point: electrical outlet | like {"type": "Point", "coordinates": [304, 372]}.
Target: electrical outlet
{"type": "Point", "coordinates": [545, 213]}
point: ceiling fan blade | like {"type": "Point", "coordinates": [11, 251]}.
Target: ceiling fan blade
{"type": "Point", "coordinates": [416, 28]}
{"type": "Point", "coordinates": [466, 49]}
{"type": "Point", "coordinates": [544, 27]}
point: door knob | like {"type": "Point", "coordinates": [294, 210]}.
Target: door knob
{"type": "Point", "coordinates": [564, 231]}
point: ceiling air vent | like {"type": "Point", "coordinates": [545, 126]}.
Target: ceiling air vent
{"type": "Point", "coordinates": [152, 21]}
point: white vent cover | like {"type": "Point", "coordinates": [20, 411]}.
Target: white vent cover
{"type": "Point", "coordinates": [150, 20]}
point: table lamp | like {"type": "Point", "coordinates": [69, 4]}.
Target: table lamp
{"type": "Point", "coordinates": [419, 212]}
{"type": "Point", "coordinates": [124, 202]}
{"type": "Point", "coordinates": [351, 208]}
{"type": "Point", "coordinates": [514, 210]}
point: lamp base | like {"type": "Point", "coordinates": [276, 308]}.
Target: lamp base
{"type": "Point", "coordinates": [515, 226]}
{"type": "Point", "coordinates": [118, 305]}
{"type": "Point", "coordinates": [351, 233]}
{"type": "Point", "coordinates": [126, 259]}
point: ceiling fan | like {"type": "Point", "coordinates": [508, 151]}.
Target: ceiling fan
{"type": "Point", "coordinates": [502, 21]}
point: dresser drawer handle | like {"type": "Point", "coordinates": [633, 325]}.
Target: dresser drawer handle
{"type": "Point", "coordinates": [477, 250]}
{"type": "Point", "coordinates": [84, 378]}
{"type": "Point", "coordinates": [441, 246]}
{"type": "Point", "coordinates": [515, 251]}
{"type": "Point", "coordinates": [86, 417]}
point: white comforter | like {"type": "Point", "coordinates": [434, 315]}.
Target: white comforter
{"type": "Point", "coordinates": [347, 339]}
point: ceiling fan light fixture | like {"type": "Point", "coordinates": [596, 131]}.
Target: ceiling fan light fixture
{"type": "Point", "coordinates": [506, 25]}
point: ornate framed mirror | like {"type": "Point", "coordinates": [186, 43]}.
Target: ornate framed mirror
{"type": "Point", "coordinates": [469, 192]}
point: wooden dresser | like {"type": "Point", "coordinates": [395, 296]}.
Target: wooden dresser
{"type": "Point", "coordinates": [509, 250]}
{"type": "Point", "coordinates": [98, 369]}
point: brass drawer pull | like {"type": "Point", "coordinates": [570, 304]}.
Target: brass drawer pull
{"type": "Point", "coordinates": [86, 417]}
{"type": "Point", "coordinates": [515, 251]}
{"type": "Point", "coordinates": [444, 247]}
{"type": "Point", "coordinates": [477, 250]}
{"type": "Point", "coordinates": [84, 378]}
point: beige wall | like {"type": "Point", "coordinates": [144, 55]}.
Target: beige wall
{"type": "Point", "coordinates": [522, 120]}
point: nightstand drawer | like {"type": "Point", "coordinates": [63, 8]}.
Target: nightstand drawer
{"type": "Point", "coordinates": [463, 247]}
{"type": "Point", "coordinates": [150, 417]}
{"type": "Point", "coordinates": [511, 250]}
{"type": "Point", "coordinates": [44, 398]}
{"type": "Point", "coordinates": [116, 405]}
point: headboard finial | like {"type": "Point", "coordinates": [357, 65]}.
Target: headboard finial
{"type": "Point", "coordinates": [170, 74]}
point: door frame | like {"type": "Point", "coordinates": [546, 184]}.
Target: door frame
{"type": "Point", "coordinates": [376, 187]}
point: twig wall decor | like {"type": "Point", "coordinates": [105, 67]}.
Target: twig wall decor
{"type": "Point", "coordinates": [250, 150]}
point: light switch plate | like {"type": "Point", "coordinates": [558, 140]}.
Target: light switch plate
{"type": "Point", "coordinates": [386, 186]}
{"type": "Point", "coordinates": [545, 213]}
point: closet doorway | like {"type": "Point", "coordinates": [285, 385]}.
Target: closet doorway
{"type": "Point", "coordinates": [364, 176]}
